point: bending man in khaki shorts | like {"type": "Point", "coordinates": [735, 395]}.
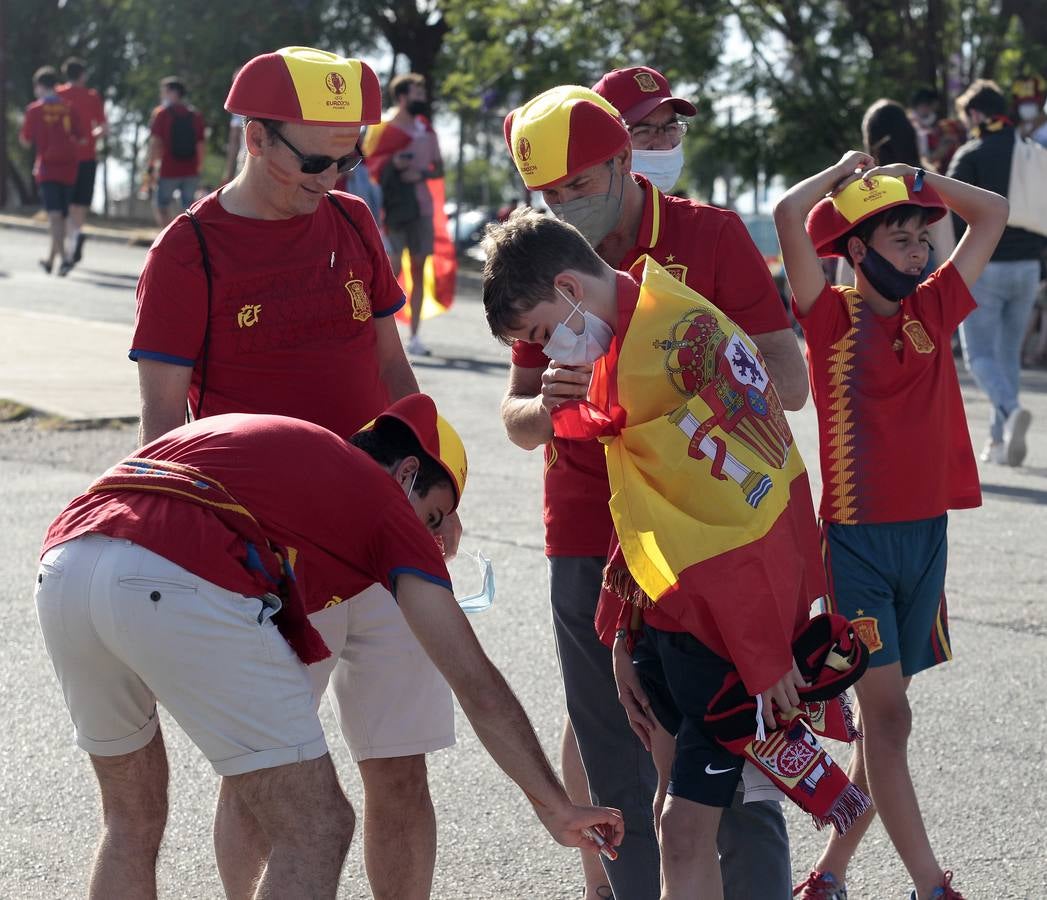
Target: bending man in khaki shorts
{"type": "Point", "coordinates": [184, 575]}
{"type": "Point", "coordinates": [276, 296]}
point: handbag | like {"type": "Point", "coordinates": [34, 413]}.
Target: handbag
{"type": "Point", "coordinates": [1027, 188]}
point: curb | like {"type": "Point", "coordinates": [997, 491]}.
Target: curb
{"type": "Point", "coordinates": [131, 237]}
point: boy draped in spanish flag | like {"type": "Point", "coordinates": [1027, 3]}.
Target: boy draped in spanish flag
{"type": "Point", "coordinates": [717, 562]}
{"type": "Point", "coordinates": [895, 450]}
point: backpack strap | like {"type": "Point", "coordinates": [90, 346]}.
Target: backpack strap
{"type": "Point", "coordinates": [207, 322]}
{"type": "Point", "coordinates": [341, 211]}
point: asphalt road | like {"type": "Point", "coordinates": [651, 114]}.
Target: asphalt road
{"type": "Point", "coordinates": [980, 728]}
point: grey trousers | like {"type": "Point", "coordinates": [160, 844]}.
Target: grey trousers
{"type": "Point", "coordinates": [754, 845]}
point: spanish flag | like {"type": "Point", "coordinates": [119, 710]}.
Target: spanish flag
{"type": "Point", "coordinates": [381, 141]}
{"type": "Point", "coordinates": [709, 496]}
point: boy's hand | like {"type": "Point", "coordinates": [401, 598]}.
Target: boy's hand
{"type": "Point", "coordinates": [562, 383]}
{"type": "Point", "coordinates": [897, 170]}
{"type": "Point", "coordinates": [783, 695]}
{"type": "Point", "coordinates": [848, 168]}
{"type": "Point", "coordinates": [631, 695]}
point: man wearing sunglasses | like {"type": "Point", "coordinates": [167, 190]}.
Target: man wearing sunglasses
{"type": "Point", "coordinates": [273, 295]}
{"type": "Point", "coordinates": [574, 145]}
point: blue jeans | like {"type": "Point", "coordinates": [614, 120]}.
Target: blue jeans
{"type": "Point", "coordinates": [992, 334]}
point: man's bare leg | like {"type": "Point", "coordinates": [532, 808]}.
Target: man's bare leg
{"type": "Point", "coordinates": [241, 848]}
{"type": "Point", "coordinates": [56, 228]}
{"type": "Point", "coordinates": [77, 217]}
{"type": "Point", "coordinates": [577, 784]}
{"type": "Point", "coordinates": [134, 812]}
{"type": "Point", "coordinates": [690, 861]}
{"type": "Point", "coordinates": [417, 292]}
{"type": "Point", "coordinates": [307, 821]}
{"type": "Point", "coordinates": [399, 828]}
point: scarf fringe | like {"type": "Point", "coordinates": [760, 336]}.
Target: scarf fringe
{"type": "Point", "coordinates": [622, 584]}
{"type": "Point", "coordinates": [848, 808]}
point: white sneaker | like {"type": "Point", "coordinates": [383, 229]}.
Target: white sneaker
{"type": "Point", "coordinates": [994, 452]}
{"type": "Point", "coordinates": [416, 348]}
{"type": "Point", "coordinates": [1014, 430]}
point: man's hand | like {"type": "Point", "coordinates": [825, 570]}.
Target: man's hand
{"type": "Point", "coordinates": [631, 695]}
{"type": "Point", "coordinates": [449, 534]}
{"type": "Point", "coordinates": [562, 383]}
{"type": "Point", "coordinates": [568, 824]}
{"type": "Point", "coordinates": [783, 695]}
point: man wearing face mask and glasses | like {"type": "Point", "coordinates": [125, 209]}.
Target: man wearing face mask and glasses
{"type": "Point", "coordinates": [571, 144]}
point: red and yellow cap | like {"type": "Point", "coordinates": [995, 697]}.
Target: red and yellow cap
{"type": "Point", "coordinates": [311, 87]}
{"type": "Point", "coordinates": [1029, 88]}
{"type": "Point", "coordinates": [833, 217]}
{"type": "Point", "coordinates": [438, 439]}
{"type": "Point", "coordinates": [562, 132]}
{"type": "Point", "coordinates": [638, 91]}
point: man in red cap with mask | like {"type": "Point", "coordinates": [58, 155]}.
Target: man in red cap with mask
{"type": "Point", "coordinates": [185, 573]}
{"type": "Point", "coordinates": [652, 115]}
{"type": "Point", "coordinates": [274, 295]}
{"type": "Point", "coordinates": [571, 144]}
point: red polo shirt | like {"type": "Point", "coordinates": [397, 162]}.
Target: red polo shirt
{"type": "Point", "coordinates": [709, 250]}
{"type": "Point", "coordinates": [160, 127]}
{"type": "Point", "coordinates": [90, 110]}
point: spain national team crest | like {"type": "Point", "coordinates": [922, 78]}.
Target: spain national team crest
{"type": "Point", "coordinates": [645, 82]}
{"type": "Point", "coordinates": [679, 272]}
{"type": "Point", "coordinates": [868, 629]}
{"type": "Point", "coordinates": [361, 302]}
{"type": "Point", "coordinates": [918, 336]}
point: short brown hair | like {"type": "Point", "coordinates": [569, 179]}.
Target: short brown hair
{"type": "Point", "coordinates": [73, 68]}
{"type": "Point", "coordinates": [524, 255]}
{"type": "Point", "coordinates": [401, 84]}
{"type": "Point", "coordinates": [174, 83]}
{"type": "Point", "coordinates": [985, 97]}
{"type": "Point", "coordinates": [46, 77]}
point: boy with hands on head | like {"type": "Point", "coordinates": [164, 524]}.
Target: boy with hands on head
{"type": "Point", "coordinates": [895, 450]}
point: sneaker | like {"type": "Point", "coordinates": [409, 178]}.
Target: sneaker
{"type": "Point", "coordinates": [416, 348]}
{"type": "Point", "coordinates": [65, 268]}
{"type": "Point", "coordinates": [78, 250]}
{"type": "Point", "coordinates": [994, 452]}
{"type": "Point", "coordinates": [945, 892]}
{"type": "Point", "coordinates": [820, 886]}
{"type": "Point", "coordinates": [1014, 430]}
{"type": "Point", "coordinates": [46, 265]}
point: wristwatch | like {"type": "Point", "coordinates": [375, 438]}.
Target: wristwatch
{"type": "Point", "coordinates": [917, 182]}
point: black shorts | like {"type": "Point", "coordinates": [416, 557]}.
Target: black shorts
{"type": "Point", "coordinates": [84, 189]}
{"type": "Point", "coordinates": [56, 196]}
{"type": "Point", "coordinates": [681, 675]}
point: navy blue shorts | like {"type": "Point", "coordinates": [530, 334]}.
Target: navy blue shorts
{"type": "Point", "coordinates": [681, 675]}
{"type": "Point", "coordinates": [889, 580]}
{"type": "Point", "coordinates": [56, 196]}
{"type": "Point", "coordinates": [84, 189]}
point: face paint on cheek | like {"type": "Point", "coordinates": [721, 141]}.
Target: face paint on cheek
{"type": "Point", "coordinates": [278, 173]}
{"type": "Point", "coordinates": [343, 143]}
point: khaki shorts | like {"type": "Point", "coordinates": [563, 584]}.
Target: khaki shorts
{"type": "Point", "coordinates": [389, 698]}
{"type": "Point", "coordinates": [125, 627]}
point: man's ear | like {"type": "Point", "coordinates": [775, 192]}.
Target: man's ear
{"type": "Point", "coordinates": [405, 470]}
{"type": "Point", "coordinates": [255, 137]}
{"type": "Point", "coordinates": [856, 248]}
{"type": "Point", "coordinates": [624, 158]}
{"type": "Point", "coordinates": [570, 284]}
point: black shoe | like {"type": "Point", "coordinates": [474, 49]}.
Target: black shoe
{"type": "Point", "coordinates": [78, 253]}
{"type": "Point", "coordinates": [65, 268]}
{"type": "Point", "coordinates": [46, 265]}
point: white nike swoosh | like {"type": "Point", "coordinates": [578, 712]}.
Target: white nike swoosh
{"type": "Point", "coordinates": [711, 771]}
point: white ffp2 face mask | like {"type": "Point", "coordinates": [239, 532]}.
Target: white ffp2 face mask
{"type": "Point", "coordinates": [660, 167]}
{"type": "Point", "coordinates": [564, 346]}
{"type": "Point", "coordinates": [1028, 111]}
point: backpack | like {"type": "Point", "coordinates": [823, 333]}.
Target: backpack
{"type": "Point", "coordinates": [58, 146]}
{"type": "Point", "coordinates": [1027, 189]}
{"type": "Point", "coordinates": [183, 134]}
{"type": "Point", "coordinates": [399, 198]}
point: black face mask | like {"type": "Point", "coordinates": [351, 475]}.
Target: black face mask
{"type": "Point", "coordinates": [885, 278]}
{"type": "Point", "coordinates": [418, 108]}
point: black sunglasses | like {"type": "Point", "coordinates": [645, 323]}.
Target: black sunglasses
{"type": "Point", "coordinates": [314, 164]}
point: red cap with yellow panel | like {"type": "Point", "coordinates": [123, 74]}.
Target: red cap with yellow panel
{"type": "Point", "coordinates": [311, 87]}
{"type": "Point", "coordinates": [834, 217]}
{"type": "Point", "coordinates": [562, 132]}
{"type": "Point", "coordinates": [436, 435]}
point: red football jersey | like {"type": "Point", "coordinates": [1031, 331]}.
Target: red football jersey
{"type": "Point", "coordinates": [90, 110]}
{"type": "Point", "coordinates": [160, 127]}
{"type": "Point", "coordinates": [55, 131]}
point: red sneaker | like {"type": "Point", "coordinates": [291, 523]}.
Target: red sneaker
{"type": "Point", "coordinates": [820, 886]}
{"type": "Point", "coordinates": [945, 892]}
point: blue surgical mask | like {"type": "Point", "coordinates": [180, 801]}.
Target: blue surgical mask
{"type": "Point", "coordinates": [564, 346]}
{"type": "Point", "coordinates": [596, 216]}
{"type": "Point", "coordinates": [888, 281]}
{"type": "Point", "coordinates": [475, 603]}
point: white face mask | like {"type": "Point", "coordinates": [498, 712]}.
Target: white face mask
{"type": "Point", "coordinates": [660, 167]}
{"type": "Point", "coordinates": [1028, 111]}
{"type": "Point", "coordinates": [564, 346]}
